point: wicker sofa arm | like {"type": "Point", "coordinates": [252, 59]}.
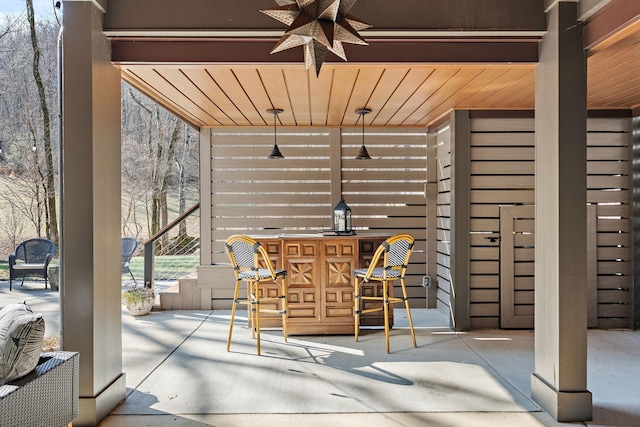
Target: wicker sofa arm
{"type": "Point", "coordinates": [46, 397]}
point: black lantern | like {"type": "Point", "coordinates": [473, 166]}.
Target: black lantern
{"type": "Point", "coordinates": [342, 218]}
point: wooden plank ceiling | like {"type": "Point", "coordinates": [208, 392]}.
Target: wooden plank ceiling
{"type": "Point", "coordinates": [398, 94]}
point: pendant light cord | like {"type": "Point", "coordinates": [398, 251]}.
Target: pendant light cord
{"type": "Point", "coordinates": [362, 116]}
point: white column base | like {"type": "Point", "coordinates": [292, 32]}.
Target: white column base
{"type": "Point", "coordinates": [92, 410]}
{"type": "Point", "coordinates": [562, 405]}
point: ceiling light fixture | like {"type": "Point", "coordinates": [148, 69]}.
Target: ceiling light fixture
{"type": "Point", "coordinates": [363, 154]}
{"type": "Point", "coordinates": [319, 25]}
{"type": "Point", "coordinates": [275, 152]}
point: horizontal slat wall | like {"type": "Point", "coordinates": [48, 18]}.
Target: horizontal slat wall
{"type": "Point", "coordinates": [608, 189]}
{"type": "Point", "coordinates": [252, 194]}
{"type": "Point", "coordinates": [387, 193]}
{"type": "Point", "coordinates": [255, 195]}
{"type": "Point", "coordinates": [444, 220]}
{"type": "Point", "coordinates": [502, 173]}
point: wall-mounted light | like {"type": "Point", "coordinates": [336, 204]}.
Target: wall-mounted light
{"type": "Point", "coordinates": [275, 152]}
{"type": "Point", "coordinates": [363, 154]}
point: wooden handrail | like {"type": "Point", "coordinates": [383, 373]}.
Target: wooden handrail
{"type": "Point", "coordinates": [148, 245]}
{"type": "Point", "coordinates": [172, 224]}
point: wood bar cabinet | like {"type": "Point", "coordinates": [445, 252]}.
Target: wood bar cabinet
{"type": "Point", "coordinates": [319, 280]}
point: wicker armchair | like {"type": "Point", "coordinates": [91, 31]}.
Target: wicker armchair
{"type": "Point", "coordinates": [129, 245]}
{"type": "Point", "coordinates": [31, 259]}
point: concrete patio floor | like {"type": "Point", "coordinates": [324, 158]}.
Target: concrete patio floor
{"type": "Point", "coordinates": [179, 373]}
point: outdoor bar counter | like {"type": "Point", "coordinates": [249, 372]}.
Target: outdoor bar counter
{"type": "Point", "coordinates": [319, 280]}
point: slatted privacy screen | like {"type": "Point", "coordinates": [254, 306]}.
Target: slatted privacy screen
{"type": "Point", "coordinates": [252, 194]}
{"type": "Point", "coordinates": [443, 235]}
{"type": "Point", "coordinates": [256, 195]}
{"type": "Point", "coordinates": [608, 189]}
{"type": "Point", "coordinates": [502, 173]}
{"type": "Point", "coordinates": [387, 193]}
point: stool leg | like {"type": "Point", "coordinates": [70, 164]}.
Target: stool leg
{"type": "Point", "coordinates": [233, 313]}
{"type": "Point", "coordinates": [257, 305]}
{"type": "Point", "coordinates": [406, 304]}
{"type": "Point", "coordinates": [284, 309]}
{"type": "Point", "coordinates": [356, 307]}
{"type": "Point", "coordinates": [258, 322]}
{"type": "Point", "coordinates": [251, 309]}
{"type": "Point", "coordinates": [385, 296]}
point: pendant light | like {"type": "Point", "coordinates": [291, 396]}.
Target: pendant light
{"type": "Point", "coordinates": [363, 154]}
{"type": "Point", "coordinates": [275, 152]}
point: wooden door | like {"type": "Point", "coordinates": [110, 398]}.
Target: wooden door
{"type": "Point", "coordinates": [517, 226]}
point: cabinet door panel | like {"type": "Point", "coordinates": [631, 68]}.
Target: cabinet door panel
{"type": "Point", "coordinates": [367, 248]}
{"type": "Point", "coordinates": [338, 262]}
{"type": "Point", "coordinates": [303, 295]}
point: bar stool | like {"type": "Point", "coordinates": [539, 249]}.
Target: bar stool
{"type": "Point", "coordinates": [251, 264]}
{"type": "Point", "coordinates": [395, 251]}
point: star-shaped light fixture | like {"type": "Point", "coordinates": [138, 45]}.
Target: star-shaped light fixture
{"type": "Point", "coordinates": [319, 25]}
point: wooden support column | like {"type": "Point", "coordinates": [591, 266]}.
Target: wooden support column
{"type": "Point", "coordinates": [559, 383]}
{"type": "Point", "coordinates": [460, 219]}
{"type": "Point", "coordinates": [212, 280]}
{"type": "Point", "coordinates": [634, 215]}
{"type": "Point", "coordinates": [90, 212]}
{"type": "Point", "coordinates": [335, 135]}
{"type": "Point", "coordinates": [206, 175]}
{"type": "Point", "coordinates": [431, 193]}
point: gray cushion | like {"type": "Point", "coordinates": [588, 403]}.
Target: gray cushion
{"type": "Point", "coordinates": [27, 266]}
{"type": "Point", "coordinates": [21, 339]}
{"type": "Point", "coordinates": [10, 311]}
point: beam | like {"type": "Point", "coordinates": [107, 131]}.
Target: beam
{"type": "Point", "coordinates": [127, 50]}
{"type": "Point", "coordinates": [160, 17]}
{"type": "Point", "coordinates": [614, 17]}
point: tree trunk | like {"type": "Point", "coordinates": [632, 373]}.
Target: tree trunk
{"type": "Point", "coordinates": [49, 171]}
{"type": "Point", "coordinates": [182, 185]}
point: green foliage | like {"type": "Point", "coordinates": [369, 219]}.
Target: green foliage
{"type": "Point", "coordinates": [4, 271]}
{"type": "Point", "coordinates": [166, 267]}
{"type": "Point", "coordinates": [136, 295]}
